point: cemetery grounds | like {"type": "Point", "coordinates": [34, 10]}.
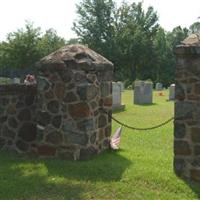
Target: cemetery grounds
{"type": "Point", "coordinates": [141, 169]}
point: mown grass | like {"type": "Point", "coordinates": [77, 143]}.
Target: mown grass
{"type": "Point", "coordinates": [141, 169]}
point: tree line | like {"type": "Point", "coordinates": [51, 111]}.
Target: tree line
{"type": "Point", "coordinates": [127, 35]}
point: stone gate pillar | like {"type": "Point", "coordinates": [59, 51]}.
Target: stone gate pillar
{"type": "Point", "coordinates": [73, 84]}
{"type": "Point", "coordinates": [187, 109]}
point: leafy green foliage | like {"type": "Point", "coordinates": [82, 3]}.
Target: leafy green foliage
{"type": "Point", "coordinates": [195, 27]}
{"type": "Point", "coordinates": [49, 42]}
{"type": "Point", "coordinates": [124, 35]}
{"type": "Point", "coordinates": [26, 46]}
{"type": "Point", "coordinates": [131, 38]}
{"type": "Point", "coordinates": [20, 50]}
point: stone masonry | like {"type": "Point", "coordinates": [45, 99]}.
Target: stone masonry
{"type": "Point", "coordinates": [17, 117]}
{"type": "Point", "coordinates": [65, 116]}
{"type": "Point", "coordinates": [187, 109]}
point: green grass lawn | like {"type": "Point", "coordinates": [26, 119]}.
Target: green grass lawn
{"type": "Point", "coordinates": [141, 169]}
{"type": "Point", "coordinates": [5, 80]}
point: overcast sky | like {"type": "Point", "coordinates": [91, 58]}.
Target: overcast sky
{"type": "Point", "coordinates": [60, 14]}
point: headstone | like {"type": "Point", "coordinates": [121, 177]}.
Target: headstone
{"type": "Point", "coordinates": [16, 80]}
{"type": "Point", "coordinates": [159, 86]}
{"type": "Point", "coordinates": [172, 92]}
{"type": "Point", "coordinates": [121, 85]}
{"type": "Point", "coordinates": [116, 97]}
{"type": "Point", "coordinates": [143, 92]}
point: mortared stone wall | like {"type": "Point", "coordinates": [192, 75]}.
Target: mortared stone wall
{"type": "Point", "coordinates": [187, 109]}
{"type": "Point", "coordinates": [61, 116]}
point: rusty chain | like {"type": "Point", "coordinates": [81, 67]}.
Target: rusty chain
{"type": "Point", "coordinates": [136, 128]}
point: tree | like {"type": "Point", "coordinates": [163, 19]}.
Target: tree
{"type": "Point", "coordinates": [94, 25]}
{"type": "Point", "coordinates": [177, 35]}
{"type": "Point", "coordinates": [24, 47]}
{"type": "Point", "coordinates": [49, 42]}
{"type": "Point", "coordinates": [195, 27]}
{"type": "Point", "coordinates": [123, 35]}
{"type": "Point", "coordinates": [73, 41]}
{"type": "Point", "coordinates": [20, 49]}
{"type": "Point", "coordinates": [165, 59]}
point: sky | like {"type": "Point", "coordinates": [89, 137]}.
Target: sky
{"type": "Point", "coordinates": [60, 14]}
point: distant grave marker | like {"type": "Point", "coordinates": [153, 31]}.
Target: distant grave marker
{"type": "Point", "coordinates": [16, 80]}
{"type": "Point", "coordinates": [116, 96]}
{"type": "Point", "coordinates": [121, 85]}
{"type": "Point", "coordinates": [159, 86]}
{"type": "Point", "coordinates": [172, 92]}
{"type": "Point", "coordinates": [143, 92]}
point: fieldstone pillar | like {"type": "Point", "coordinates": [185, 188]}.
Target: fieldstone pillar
{"type": "Point", "coordinates": [74, 83]}
{"type": "Point", "coordinates": [187, 109]}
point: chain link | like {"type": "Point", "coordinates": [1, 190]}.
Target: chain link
{"type": "Point", "coordinates": [135, 128]}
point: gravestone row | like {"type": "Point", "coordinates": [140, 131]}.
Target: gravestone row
{"type": "Point", "coordinates": [142, 94]}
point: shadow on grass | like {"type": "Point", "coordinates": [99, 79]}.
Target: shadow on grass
{"type": "Point", "coordinates": [109, 166]}
{"type": "Point", "coordinates": [195, 187]}
{"type": "Point", "coordinates": [118, 111]}
{"type": "Point", "coordinates": [25, 178]}
{"type": "Point", "coordinates": [151, 104]}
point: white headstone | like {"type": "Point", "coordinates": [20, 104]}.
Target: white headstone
{"type": "Point", "coordinates": [172, 92]}
{"type": "Point", "coordinates": [116, 96]}
{"type": "Point", "coordinates": [143, 92]}
{"type": "Point", "coordinates": [121, 85]}
{"type": "Point", "coordinates": [16, 80]}
{"type": "Point", "coordinates": [159, 86]}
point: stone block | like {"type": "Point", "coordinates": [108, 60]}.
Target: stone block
{"type": "Point", "coordinates": [53, 106]}
{"type": "Point", "coordinates": [143, 92]}
{"type": "Point", "coordinates": [56, 121]}
{"type": "Point", "coordinates": [181, 148]}
{"type": "Point", "coordinates": [116, 97]}
{"type": "Point", "coordinates": [197, 150]}
{"type": "Point", "coordinates": [79, 110]}
{"type": "Point", "coordinates": [59, 90]}
{"type": "Point", "coordinates": [159, 86]}
{"type": "Point", "coordinates": [179, 92]}
{"type": "Point", "coordinates": [46, 150]}
{"type": "Point", "coordinates": [70, 97]}
{"type": "Point", "coordinates": [121, 85]}
{"type": "Point", "coordinates": [172, 92]}
{"type": "Point", "coordinates": [179, 130]}
{"type": "Point", "coordinates": [87, 91]}
{"type": "Point", "coordinates": [195, 134]}
{"type": "Point", "coordinates": [8, 133]}
{"type": "Point", "coordinates": [2, 142]}
{"type": "Point", "coordinates": [102, 121]}
{"type": "Point", "coordinates": [195, 174]}
{"type": "Point", "coordinates": [27, 131]}
{"type": "Point", "coordinates": [105, 89]}
{"type": "Point", "coordinates": [86, 125]}
{"type": "Point", "coordinates": [54, 138]}
{"type": "Point", "coordinates": [184, 110]}
{"type": "Point", "coordinates": [24, 115]}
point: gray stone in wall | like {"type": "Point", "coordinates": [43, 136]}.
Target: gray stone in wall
{"type": "Point", "coordinates": [172, 92]}
{"type": "Point", "coordinates": [143, 92]}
